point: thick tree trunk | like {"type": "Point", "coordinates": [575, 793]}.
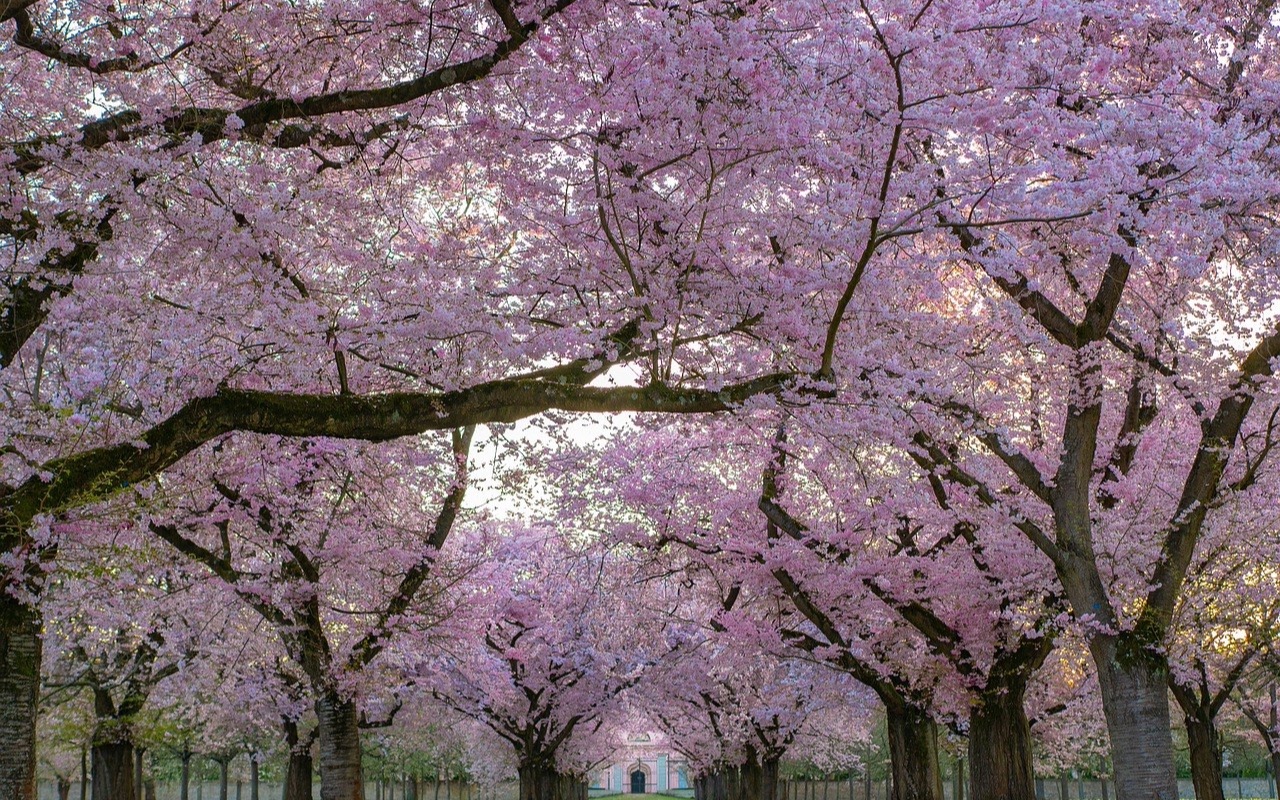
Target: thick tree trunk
{"type": "Point", "coordinates": [64, 789]}
{"type": "Point", "coordinates": [755, 780]}
{"type": "Point", "coordinates": [1206, 755]}
{"type": "Point", "coordinates": [1135, 700]}
{"type": "Point", "coordinates": [1000, 762]}
{"type": "Point", "coordinates": [253, 778]}
{"type": "Point", "coordinates": [113, 771]}
{"type": "Point", "coordinates": [709, 787]}
{"type": "Point", "coordinates": [20, 651]}
{"type": "Point", "coordinates": [913, 754]}
{"type": "Point", "coordinates": [767, 782]}
{"type": "Point", "coordinates": [297, 775]}
{"type": "Point", "coordinates": [544, 783]}
{"type": "Point", "coordinates": [185, 791]}
{"type": "Point", "coordinates": [340, 772]}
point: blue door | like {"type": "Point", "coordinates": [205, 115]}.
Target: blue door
{"type": "Point", "coordinates": [637, 782]}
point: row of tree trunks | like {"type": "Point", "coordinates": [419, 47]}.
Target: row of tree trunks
{"type": "Point", "coordinates": [541, 782]}
{"type": "Point", "coordinates": [755, 780]}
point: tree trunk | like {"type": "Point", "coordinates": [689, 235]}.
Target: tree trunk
{"type": "Point", "coordinates": [253, 778]}
{"type": "Point", "coordinates": [544, 783]}
{"type": "Point", "coordinates": [1206, 755]}
{"type": "Point", "coordinates": [755, 780]}
{"type": "Point", "coordinates": [64, 789]}
{"type": "Point", "coordinates": [340, 773]}
{"type": "Point", "coordinates": [149, 789]}
{"type": "Point", "coordinates": [1135, 700]}
{"type": "Point", "coordinates": [297, 774]}
{"type": "Point", "coordinates": [185, 792]}
{"type": "Point", "coordinates": [1000, 761]}
{"type": "Point", "coordinates": [113, 771]}
{"type": "Point", "coordinates": [222, 778]}
{"type": "Point", "coordinates": [137, 771]}
{"type": "Point", "coordinates": [20, 652]}
{"type": "Point", "coordinates": [913, 753]}
{"type": "Point", "coordinates": [708, 786]}
{"type": "Point", "coordinates": [84, 773]}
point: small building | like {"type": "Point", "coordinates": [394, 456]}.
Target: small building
{"type": "Point", "coordinates": [645, 764]}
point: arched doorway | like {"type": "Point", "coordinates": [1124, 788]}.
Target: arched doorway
{"type": "Point", "coordinates": [637, 782]}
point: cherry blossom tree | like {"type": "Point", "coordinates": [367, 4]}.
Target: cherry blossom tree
{"type": "Point", "coordinates": [1226, 622]}
{"type": "Point", "coordinates": [291, 209]}
{"type": "Point", "coordinates": [122, 620]}
{"type": "Point", "coordinates": [1029, 249]}
{"type": "Point", "coordinates": [1119, 386]}
{"type": "Point", "coordinates": [295, 536]}
{"type": "Point", "coordinates": [555, 649]}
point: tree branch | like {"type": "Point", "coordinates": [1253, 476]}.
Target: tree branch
{"type": "Point", "coordinates": [98, 473]}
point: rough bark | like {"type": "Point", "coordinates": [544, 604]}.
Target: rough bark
{"type": "Point", "coordinates": [297, 774]}
{"type": "Point", "coordinates": [339, 756]}
{"type": "Point", "coordinates": [1206, 755]}
{"type": "Point", "coordinates": [20, 652]}
{"type": "Point", "coordinates": [113, 771]}
{"type": "Point", "coordinates": [1135, 700]}
{"type": "Point", "coordinates": [1000, 761]}
{"type": "Point", "coordinates": [64, 789]}
{"type": "Point", "coordinates": [913, 753]}
{"type": "Point", "coordinates": [540, 782]}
